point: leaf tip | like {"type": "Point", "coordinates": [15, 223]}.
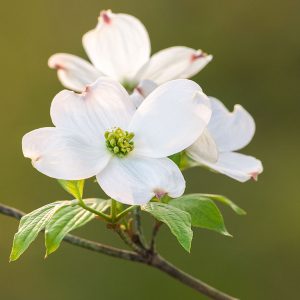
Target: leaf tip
{"type": "Point", "coordinates": [50, 251]}
{"type": "Point", "coordinates": [241, 212]}
{"type": "Point", "coordinates": [226, 233]}
{"type": "Point", "coordinates": [187, 248]}
{"type": "Point", "coordinates": [13, 257]}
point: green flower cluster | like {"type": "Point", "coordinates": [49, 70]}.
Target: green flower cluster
{"type": "Point", "coordinates": [119, 142]}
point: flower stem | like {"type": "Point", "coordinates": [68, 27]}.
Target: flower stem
{"type": "Point", "coordinates": [154, 234]}
{"type": "Point", "coordinates": [124, 212]}
{"type": "Point", "coordinates": [138, 227]}
{"type": "Point", "coordinates": [126, 239]}
{"type": "Point", "coordinates": [113, 210]}
{"type": "Point", "coordinates": [96, 212]}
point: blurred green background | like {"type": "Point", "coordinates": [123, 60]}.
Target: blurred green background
{"type": "Point", "coordinates": [256, 48]}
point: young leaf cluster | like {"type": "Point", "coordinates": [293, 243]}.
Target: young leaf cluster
{"type": "Point", "coordinates": [57, 219]}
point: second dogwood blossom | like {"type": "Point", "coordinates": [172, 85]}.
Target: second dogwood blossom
{"type": "Point", "coordinates": [119, 47]}
{"type": "Point", "coordinates": [101, 133]}
{"type": "Point", "coordinates": [226, 133]}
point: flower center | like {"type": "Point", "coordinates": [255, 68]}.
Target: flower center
{"type": "Point", "coordinates": [129, 86]}
{"type": "Point", "coordinates": [119, 142]}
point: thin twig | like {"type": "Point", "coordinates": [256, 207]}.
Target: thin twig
{"type": "Point", "coordinates": [126, 239]}
{"type": "Point", "coordinates": [139, 236]}
{"type": "Point", "coordinates": [152, 259]}
{"type": "Point", "coordinates": [155, 231]}
{"type": "Point", "coordinates": [101, 248]}
{"type": "Point", "coordinates": [11, 212]}
{"type": "Point", "coordinates": [200, 286]}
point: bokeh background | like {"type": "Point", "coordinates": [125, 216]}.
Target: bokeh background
{"type": "Point", "coordinates": [256, 48]}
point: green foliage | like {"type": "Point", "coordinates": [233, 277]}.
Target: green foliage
{"type": "Point", "coordinates": [176, 158]}
{"type": "Point", "coordinates": [70, 218]}
{"type": "Point", "coordinates": [226, 201]}
{"type": "Point", "coordinates": [73, 187]}
{"type": "Point", "coordinates": [61, 217]}
{"type": "Point", "coordinates": [57, 219]}
{"type": "Point", "coordinates": [176, 219]}
{"type": "Point", "coordinates": [31, 225]}
{"type": "Point", "coordinates": [204, 213]}
{"type": "Point", "coordinates": [186, 162]}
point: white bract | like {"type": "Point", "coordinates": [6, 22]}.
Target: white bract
{"type": "Point", "coordinates": [119, 47]}
{"type": "Point", "coordinates": [141, 91]}
{"type": "Point", "coordinates": [226, 133]}
{"type": "Point", "coordinates": [101, 133]}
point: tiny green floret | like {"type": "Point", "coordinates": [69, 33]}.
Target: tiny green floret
{"type": "Point", "coordinates": [119, 142]}
{"type": "Point", "coordinates": [129, 86]}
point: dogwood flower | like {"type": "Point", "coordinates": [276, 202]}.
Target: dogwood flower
{"type": "Point", "coordinates": [141, 91]}
{"type": "Point", "coordinates": [119, 47]}
{"type": "Point", "coordinates": [100, 133]}
{"type": "Point", "coordinates": [226, 133]}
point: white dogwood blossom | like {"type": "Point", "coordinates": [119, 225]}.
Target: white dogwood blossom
{"type": "Point", "coordinates": [226, 133]}
{"type": "Point", "coordinates": [101, 133]}
{"type": "Point", "coordinates": [119, 47]}
{"type": "Point", "coordinates": [141, 91]}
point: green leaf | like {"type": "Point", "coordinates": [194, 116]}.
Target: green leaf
{"type": "Point", "coordinates": [70, 218]}
{"type": "Point", "coordinates": [73, 187]}
{"type": "Point", "coordinates": [177, 220]}
{"type": "Point", "coordinates": [176, 158]}
{"type": "Point", "coordinates": [226, 201]}
{"type": "Point", "coordinates": [186, 162]}
{"type": "Point", "coordinates": [203, 211]}
{"type": "Point", "coordinates": [31, 224]}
